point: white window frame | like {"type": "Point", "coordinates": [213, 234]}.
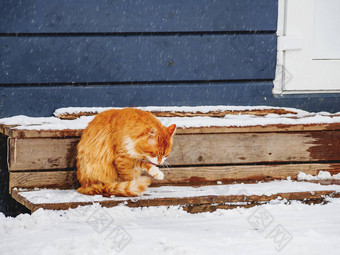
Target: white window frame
{"type": "Point", "coordinates": [293, 43]}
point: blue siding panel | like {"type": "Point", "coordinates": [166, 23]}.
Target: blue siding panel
{"type": "Point", "coordinates": [83, 59]}
{"type": "Point", "coordinates": [122, 16]}
{"type": "Point", "coordinates": [43, 100]}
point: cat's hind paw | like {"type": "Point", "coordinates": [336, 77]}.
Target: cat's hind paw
{"type": "Point", "coordinates": [156, 173]}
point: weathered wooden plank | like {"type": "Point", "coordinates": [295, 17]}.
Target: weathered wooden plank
{"type": "Point", "coordinates": [182, 175]}
{"type": "Point", "coordinates": [254, 148]}
{"type": "Point", "coordinates": [53, 179]}
{"type": "Point", "coordinates": [275, 128]}
{"type": "Point", "coordinates": [6, 129]}
{"type": "Point", "coordinates": [67, 133]}
{"type": "Point", "coordinates": [213, 207]}
{"type": "Point", "coordinates": [26, 154]}
{"type": "Point", "coordinates": [200, 149]}
{"type": "Point", "coordinates": [184, 201]}
{"type": "Point", "coordinates": [106, 16]}
{"type": "Point", "coordinates": [81, 59]}
{"type": "Point", "coordinates": [47, 133]}
{"type": "Point", "coordinates": [318, 199]}
{"type": "Point", "coordinates": [242, 173]}
{"type": "Point", "coordinates": [211, 113]}
{"type": "Point", "coordinates": [21, 200]}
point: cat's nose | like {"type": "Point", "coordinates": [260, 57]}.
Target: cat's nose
{"type": "Point", "coordinates": [159, 161]}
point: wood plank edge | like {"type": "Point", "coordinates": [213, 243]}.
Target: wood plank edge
{"type": "Point", "coordinates": [187, 201]}
{"type": "Point", "coordinates": [186, 176]}
{"type": "Point", "coordinates": [22, 200]}
{"type": "Point", "coordinates": [273, 128]}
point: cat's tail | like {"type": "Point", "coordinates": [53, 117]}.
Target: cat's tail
{"type": "Point", "coordinates": [126, 188]}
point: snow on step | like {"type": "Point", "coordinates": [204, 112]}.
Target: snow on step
{"type": "Point", "coordinates": [48, 196]}
{"type": "Point", "coordinates": [192, 109]}
{"type": "Point", "coordinates": [230, 120]}
{"type": "Point", "coordinates": [322, 175]}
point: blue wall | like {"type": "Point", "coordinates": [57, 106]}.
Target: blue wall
{"type": "Point", "coordinates": [140, 52]}
{"type": "Point", "coordinates": [136, 53]}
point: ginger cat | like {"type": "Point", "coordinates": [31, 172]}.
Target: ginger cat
{"type": "Point", "coordinates": [114, 149]}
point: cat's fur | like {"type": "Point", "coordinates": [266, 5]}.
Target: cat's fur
{"type": "Point", "coordinates": [114, 149]}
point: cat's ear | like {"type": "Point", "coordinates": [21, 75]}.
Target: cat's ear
{"type": "Point", "coordinates": [172, 129]}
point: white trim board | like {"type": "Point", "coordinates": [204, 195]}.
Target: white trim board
{"type": "Point", "coordinates": [298, 71]}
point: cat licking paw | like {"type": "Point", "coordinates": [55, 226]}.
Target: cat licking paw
{"type": "Point", "coordinates": [125, 142]}
{"type": "Point", "coordinates": [156, 173]}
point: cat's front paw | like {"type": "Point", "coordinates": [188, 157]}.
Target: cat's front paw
{"type": "Point", "coordinates": [156, 173]}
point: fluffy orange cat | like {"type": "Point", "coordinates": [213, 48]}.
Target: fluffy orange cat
{"type": "Point", "coordinates": [114, 149]}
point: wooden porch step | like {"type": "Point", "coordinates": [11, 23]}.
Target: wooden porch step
{"type": "Point", "coordinates": [192, 199]}
{"type": "Point", "coordinates": [236, 144]}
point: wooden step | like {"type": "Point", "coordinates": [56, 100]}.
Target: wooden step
{"type": "Point", "coordinates": [236, 144]}
{"type": "Point", "coordinates": [192, 199]}
{"type": "Point", "coordinates": [193, 149]}
{"type": "Point", "coordinates": [66, 179]}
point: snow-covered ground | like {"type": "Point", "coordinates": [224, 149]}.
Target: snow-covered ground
{"type": "Point", "coordinates": [268, 229]}
{"type": "Point", "coordinates": [275, 228]}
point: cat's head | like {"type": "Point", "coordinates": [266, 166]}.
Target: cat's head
{"type": "Point", "coordinates": [153, 145]}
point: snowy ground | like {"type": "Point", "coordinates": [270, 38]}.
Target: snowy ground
{"type": "Point", "coordinates": [268, 229]}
